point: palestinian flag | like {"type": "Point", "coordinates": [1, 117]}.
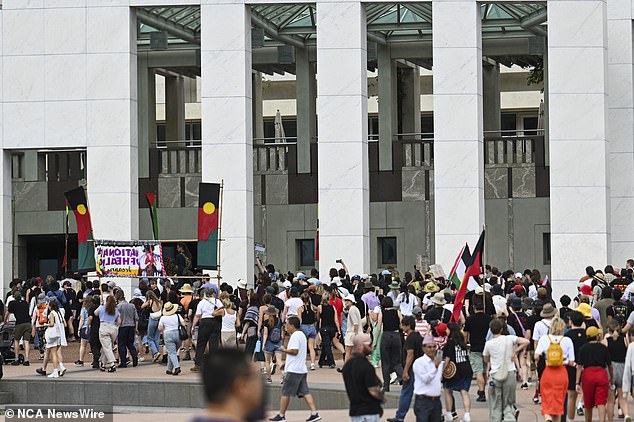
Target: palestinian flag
{"type": "Point", "coordinates": [208, 210]}
{"type": "Point", "coordinates": [76, 200]}
{"type": "Point", "coordinates": [473, 270]}
{"type": "Point", "coordinates": [151, 200]}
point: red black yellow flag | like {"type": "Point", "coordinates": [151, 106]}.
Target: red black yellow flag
{"type": "Point", "coordinates": [76, 200]}
{"type": "Point", "coordinates": [208, 212]}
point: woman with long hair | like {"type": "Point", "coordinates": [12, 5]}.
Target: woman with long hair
{"type": "Point", "coordinates": [457, 352]}
{"type": "Point", "coordinates": [55, 339]}
{"type": "Point", "coordinates": [617, 344]}
{"type": "Point", "coordinates": [308, 315]}
{"type": "Point", "coordinates": [84, 335]}
{"type": "Point", "coordinates": [109, 321]}
{"type": "Point", "coordinates": [271, 339]}
{"type": "Point", "coordinates": [228, 338]}
{"type": "Point", "coordinates": [553, 383]}
{"type": "Point", "coordinates": [406, 299]}
{"type": "Point", "coordinates": [155, 306]}
{"type": "Point", "coordinates": [391, 348]}
{"type": "Point", "coordinates": [250, 323]}
{"type": "Point", "coordinates": [376, 317]}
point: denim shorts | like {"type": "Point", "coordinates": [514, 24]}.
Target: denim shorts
{"type": "Point", "coordinates": [83, 333]}
{"type": "Point", "coordinates": [270, 347]}
{"type": "Point", "coordinates": [309, 330]}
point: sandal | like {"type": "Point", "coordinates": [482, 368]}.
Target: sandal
{"type": "Point", "coordinates": [113, 368]}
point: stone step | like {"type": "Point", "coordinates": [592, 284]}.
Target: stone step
{"type": "Point", "coordinates": [6, 397]}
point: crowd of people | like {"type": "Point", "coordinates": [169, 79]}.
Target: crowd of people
{"type": "Point", "coordinates": [574, 351]}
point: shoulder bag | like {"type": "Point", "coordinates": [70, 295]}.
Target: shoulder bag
{"type": "Point", "coordinates": [182, 331]}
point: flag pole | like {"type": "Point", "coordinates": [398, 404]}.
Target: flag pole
{"type": "Point", "coordinates": [221, 205]}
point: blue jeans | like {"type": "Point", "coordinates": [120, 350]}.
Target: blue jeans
{"type": "Point", "coordinates": [172, 344]}
{"type": "Point", "coordinates": [365, 418]}
{"type": "Point", "coordinates": [153, 335]}
{"type": "Point", "coordinates": [405, 400]}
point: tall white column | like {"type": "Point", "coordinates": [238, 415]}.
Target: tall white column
{"type": "Point", "coordinates": [388, 119]}
{"type": "Point", "coordinates": [342, 110]}
{"type": "Point", "coordinates": [6, 257]}
{"type": "Point", "coordinates": [621, 129]}
{"type": "Point", "coordinates": [112, 126]}
{"type": "Point", "coordinates": [306, 87]}
{"type": "Point", "coordinates": [579, 188]}
{"type": "Point", "coordinates": [458, 149]}
{"type": "Point", "coordinates": [227, 145]}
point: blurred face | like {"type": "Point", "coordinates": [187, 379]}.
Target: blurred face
{"type": "Point", "coordinates": [430, 350]}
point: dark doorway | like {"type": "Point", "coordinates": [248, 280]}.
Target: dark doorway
{"type": "Point", "coordinates": [45, 255]}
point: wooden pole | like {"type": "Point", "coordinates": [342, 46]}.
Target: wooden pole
{"type": "Point", "coordinates": [221, 206]}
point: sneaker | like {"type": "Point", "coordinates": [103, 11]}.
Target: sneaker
{"type": "Point", "coordinates": [269, 381]}
{"type": "Point", "coordinates": [15, 363]}
{"type": "Point", "coordinates": [278, 418]}
{"type": "Point", "coordinates": [141, 359]}
{"type": "Point", "coordinates": [536, 399]}
{"type": "Point", "coordinates": [176, 371]}
{"type": "Point", "coordinates": [312, 366]}
{"type": "Point", "coordinates": [580, 411]}
{"type": "Point", "coordinates": [195, 368]}
{"type": "Point", "coordinates": [524, 386]}
{"type": "Point", "coordinates": [314, 418]}
{"type": "Point", "coordinates": [394, 420]}
{"type": "Point", "coordinates": [62, 371]}
{"type": "Point", "coordinates": [448, 416]}
{"type": "Point", "coordinates": [273, 368]}
{"type": "Point", "coordinates": [54, 374]}
{"type": "Point", "coordinates": [156, 357]}
{"type": "Point", "coordinates": [481, 397]}
{"type": "Point", "coordinates": [188, 356]}
{"type": "Point", "coordinates": [454, 416]}
{"type": "Point", "coordinates": [40, 371]}
{"type": "Point", "coordinates": [466, 418]}
{"type": "Point", "coordinates": [168, 372]}
{"type": "Point", "coordinates": [628, 418]}
{"type": "Point", "coordinates": [340, 370]}
{"type": "Point", "coordinates": [41, 357]}
{"type": "Point", "coordinates": [135, 361]}
{"type": "Point", "coordinates": [393, 378]}
{"type": "Point", "coordinates": [164, 360]}
{"type": "Point", "coordinates": [26, 363]}
{"type": "Point", "coordinates": [516, 414]}
{"type": "Point", "coordinates": [79, 363]}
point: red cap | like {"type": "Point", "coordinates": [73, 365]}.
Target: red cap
{"type": "Point", "coordinates": [441, 329]}
{"type": "Point", "coordinates": [518, 287]}
{"type": "Point", "coordinates": [586, 290]}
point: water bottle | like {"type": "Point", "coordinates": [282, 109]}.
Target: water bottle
{"type": "Point", "coordinates": [258, 346]}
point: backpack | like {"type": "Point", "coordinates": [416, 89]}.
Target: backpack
{"type": "Point", "coordinates": [554, 354]}
{"type": "Point", "coordinates": [620, 310]}
{"type": "Point", "coordinates": [276, 332]}
{"type": "Point", "coordinates": [41, 314]}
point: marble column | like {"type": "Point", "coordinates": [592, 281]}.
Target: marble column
{"type": "Point", "coordinates": [458, 122]}
{"type": "Point", "coordinates": [174, 111]}
{"type": "Point", "coordinates": [491, 96]}
{"type": "Point", "coordinates": [388, 118]}
{"type": "Point", "coordinates": [258, 111]}
{"type": "Point", "coordinates": [227, 146]}
{"type": "Point", "coordinates": [112, 125]}
{"type": "Point", "coordinates": [306, 93]}
{"type": "Point", "coordinates": [342, 110]}
{"type": "Point", "coordinates": [147, 114]}
{"type": "Point", "coordinates": [410, 100]}
{"type": "Point", "coordinates": [620, 129]}
{"type": "Point", "coordinates": [6, 258]}
{"type": "Point", "coordinates": [579, 188]}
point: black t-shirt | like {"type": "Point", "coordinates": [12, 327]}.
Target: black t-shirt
{"type": "Point", "coordinates": [477, 325]}
{"type": "Point", "coordinates": [590, 322]}
{"type": "Point", "coordinates": [460, 357]}
{"type": "Point", "coordinates": [390, 320]}
{"type": "Point", "coordinates": [278, 303]}
{"type": "Point", "coordinates": [414, 342]}
{"type": "Point", "coordinates": [617, 348]}
{"type": "Point", "coordinates": [594, 354]}
{"type": "Point", "coordinates": [315, 299]}
{"type": "Point", "coordinates": [620, 311]}
{"type": "Point", "coordinates": [578, 337]}
{"type": "Point", "coordinates": [327, 316]}
{"type": "Point", "coordinates": [358, 376]}
{"type": "Point", "coordinates": [20, 309]}
{"type": "Point", "coordinates": [94, 326]}
{"type": "Point", "coordinates": [438, 314]}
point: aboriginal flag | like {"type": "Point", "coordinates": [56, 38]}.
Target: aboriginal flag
{"type": "Point", "coordinates": [76, 200]}
{"type": "Point", "coordinates": [208, 211]}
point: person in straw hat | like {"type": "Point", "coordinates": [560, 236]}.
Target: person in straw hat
{"type": "Point", "coordinates": [429, 289]}
{"type": "Point", "coordinates": [438, 312]}
{"type": "Point", "coordinates": [168, 326]}
{"type": "Point", "coordinates": [187, 294]}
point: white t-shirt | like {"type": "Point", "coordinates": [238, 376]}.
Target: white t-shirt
{"type": "Point", "coordinates": [229, 322]}
{"type": "Point", "coordinates": [297, 363]}
{"type": "Point", "coordinates": [541, 329]}
{"type": "Point", "coordinates": [566, 345]}
{"type": "Point", "coordinates": [170, 323]}
{"type": "Point", "coordinates": [206, 307]}
{"type": "Point", "coordinates": [407, 308]}
{"type": "Point", "coordinates": [500, 303]}
{"type": "Point", "coordinates": [498, 349]}
{"type": "Point", "coordinates": [293, 304]}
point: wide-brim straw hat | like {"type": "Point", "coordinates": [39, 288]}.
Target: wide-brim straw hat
{"type": "Point", "coordinates": [169, 309]}
{"type": "Point", "coordinates": [439, 299]}
{"type": "Point", "coordinates": [187, 288]}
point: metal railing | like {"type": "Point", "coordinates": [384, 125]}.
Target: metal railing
{"type": "Point", "coordinates": [510, 150]}
{"type": "Point", "coordinates": [271, 157]}
{"type": "Point", "coordinates": [180, 161]}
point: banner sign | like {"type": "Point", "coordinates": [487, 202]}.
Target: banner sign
{"type": "Point", "coordinates": [142, 258]}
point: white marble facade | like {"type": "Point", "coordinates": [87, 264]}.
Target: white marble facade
{"type": "Point", "coordinates": [69, 79]}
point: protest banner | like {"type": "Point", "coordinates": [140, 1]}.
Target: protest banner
{"type": "Point", "coordinates": [129, 259]}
